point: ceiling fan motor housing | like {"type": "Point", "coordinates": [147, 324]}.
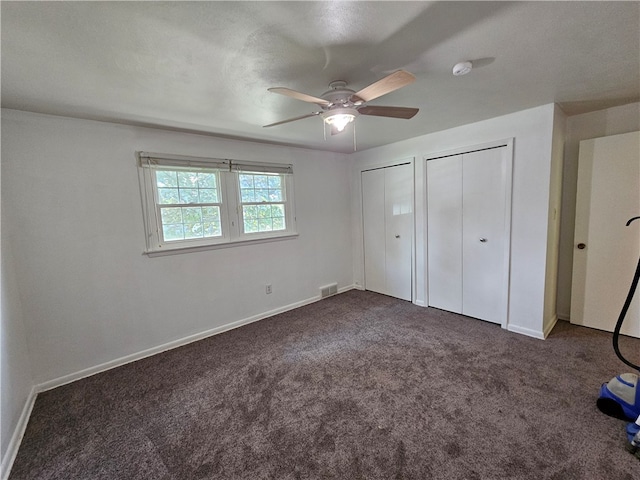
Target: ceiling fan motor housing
{"type": "Point", "coordinates": [339, 96]}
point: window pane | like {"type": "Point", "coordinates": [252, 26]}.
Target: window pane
{"type": "Point", "coordinates": [192, 214]}
{"type": "Point", "coordinates": [277, 210]}
{"type": "Point", "coordinates": [275, 181]}
{"type": "Point", "coordinates": [207, 180]}
{"type": "Point", "coordinates": [275, 195]}
{"type": "Point", "coordinates": [248, 195]}
{"type": "Point", "coordinates": [264, 211]}
{"type": "Point", "coordinates": [172, 232]}
{"type": "Point", "coordinates": [250, 225]}
{"type": "Point", "coordinates": [211, 214]}
{"type": "Point", "coordinates": [171, 215]}
{"type": "Point", "coordinates": [264, 224]}
{"type": "Point", "coordinates": [279, 223]}
{"type": "Point", "coordinates": [166, 179]}
{"type": "Point", "coordinates": [208, 195]}
{"type": "Point", "coordinates": [192, 230]}
{"type": "Point", "coordinates": [188, 179]}
{"type": "Point", "coordinates": [212, 229]}
{"type": "Point", "coordinates": [250, 211]}
{"type": "Point", "coordinates": [262, 195]}
{"type": "Point", "coordinates": [188, 195]}
{"type": "Point", "coordinates": [168, 195]}
{"type": "Point", "coordinates": [246, 181]}
{"type": "Point", "coordinates": [261, 181]}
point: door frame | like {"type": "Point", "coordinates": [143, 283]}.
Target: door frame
{"type": "Point", "coordinates": [508, 152]}
{"type": "Point", "coordinates": [377, 166]}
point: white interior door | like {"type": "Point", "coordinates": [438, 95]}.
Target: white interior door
{"type": "Point", "coordinates": [387, 206]}
{"type": "Point", "coordinates": [444, 234]}
{"type": "Point", "coordinates": [608, 196]}
{"type": "Point", "coordinates": [484, 239]}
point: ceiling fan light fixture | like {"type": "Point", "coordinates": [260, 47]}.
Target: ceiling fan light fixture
{"type": "Point", "coordinates": [340, 117]}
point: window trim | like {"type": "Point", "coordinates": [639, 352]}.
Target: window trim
{"type": "Point", "coordinates": [229, 199]}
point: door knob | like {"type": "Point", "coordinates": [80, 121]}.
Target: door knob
{"type": "Point", "coordinates": [397, 236]}
{"type": "Point", "coordinates": [581, 246]}
{"type": "Point", "coordinates": [483, 240]}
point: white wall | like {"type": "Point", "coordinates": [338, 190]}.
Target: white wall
{"type": "Point", "coordinates": [15, 366]}
{"type": "Point", "coordinates": [533, 132]}
{"type": "Point", "coordinates": [72, 212]}
{"type": "Point", "coordinates": [611, 121]}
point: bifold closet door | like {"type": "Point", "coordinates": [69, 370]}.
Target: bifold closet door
{"type": "Point", "coordinates": [375, 235]}
{"type": "Point", "coordinates": [484, 286]}
{"type": "Point", "coordinates": [387, 200]}
{"type": "Point", "coordinates": [444, 235]}
{"type": "Point", "coordinates": [467, 234]}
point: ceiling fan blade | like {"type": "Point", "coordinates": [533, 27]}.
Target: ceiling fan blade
{"type": "Point", "coordinates": [292, 119]}
{"type": "Point", "coordinates": [393, 112]}
{"type": "Point", "coordinates": [299, 96]}
{"type": "Point", "coordinates": [385, 85]}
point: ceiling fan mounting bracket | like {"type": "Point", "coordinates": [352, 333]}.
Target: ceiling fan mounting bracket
{"type": "Point", "coordinates": [337, 85]}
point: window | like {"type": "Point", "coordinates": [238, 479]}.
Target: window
{"type": "Point", "coordinates": [262, 197]}
{"type": "Point", "coordinates": [188, 204]}
{"type": "Point", "coordinates": [194, 203]}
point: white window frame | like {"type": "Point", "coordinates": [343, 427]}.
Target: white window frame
{"type": "Point", "coordinates": [228, 197]}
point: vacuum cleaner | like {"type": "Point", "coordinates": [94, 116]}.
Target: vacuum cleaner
{"type": "Point", "coordinates": [620, 397]}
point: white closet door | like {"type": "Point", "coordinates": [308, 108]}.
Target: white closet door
{"type": "Point", "coordinates": [444, 235]}
{"type": "Point", "coordinates": [468, 233]}
{"type": "Point", "coordinates": [373, 208]}
{"type": "Point", "coordinates": [387, 208]}
{"type": "Point", "coordinates": [484, 237]}
{"type": "Point", "coordinates": [398, 213]}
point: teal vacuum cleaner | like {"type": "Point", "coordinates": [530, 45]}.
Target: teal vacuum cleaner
{"type": "Point", "coordinates": [620, 397]}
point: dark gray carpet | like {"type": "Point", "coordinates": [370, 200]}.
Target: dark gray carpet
{"type": "Point", "coordinates": [357, 386]}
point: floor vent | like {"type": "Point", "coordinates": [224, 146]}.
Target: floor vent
{"type": "Point", "coordinates": [328, 290]}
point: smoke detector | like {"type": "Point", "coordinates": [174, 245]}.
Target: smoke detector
{"type": "Point", "coordinates": [462, 68]}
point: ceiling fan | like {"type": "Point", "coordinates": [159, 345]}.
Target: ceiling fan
{"type": "Point", "coordinates": [341, 105]}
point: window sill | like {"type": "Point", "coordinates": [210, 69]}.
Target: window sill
{"type": "Point", "coordinates": [216, 246]}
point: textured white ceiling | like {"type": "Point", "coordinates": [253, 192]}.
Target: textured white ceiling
{"type": "Point", "coordinates": [206, 66]}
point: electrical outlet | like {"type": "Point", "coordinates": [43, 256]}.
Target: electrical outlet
{"type": "Point", "coordinates": [268, 288]}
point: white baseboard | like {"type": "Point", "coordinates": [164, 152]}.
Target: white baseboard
{"type": "Point", "coordinates": [526, 331]}
{"type": "Point", "coordinates": [72, 377]}
{"type": "Point", "coordinates": [353, 286]}
{"type": "Point", "coordinates": [18, 433]}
